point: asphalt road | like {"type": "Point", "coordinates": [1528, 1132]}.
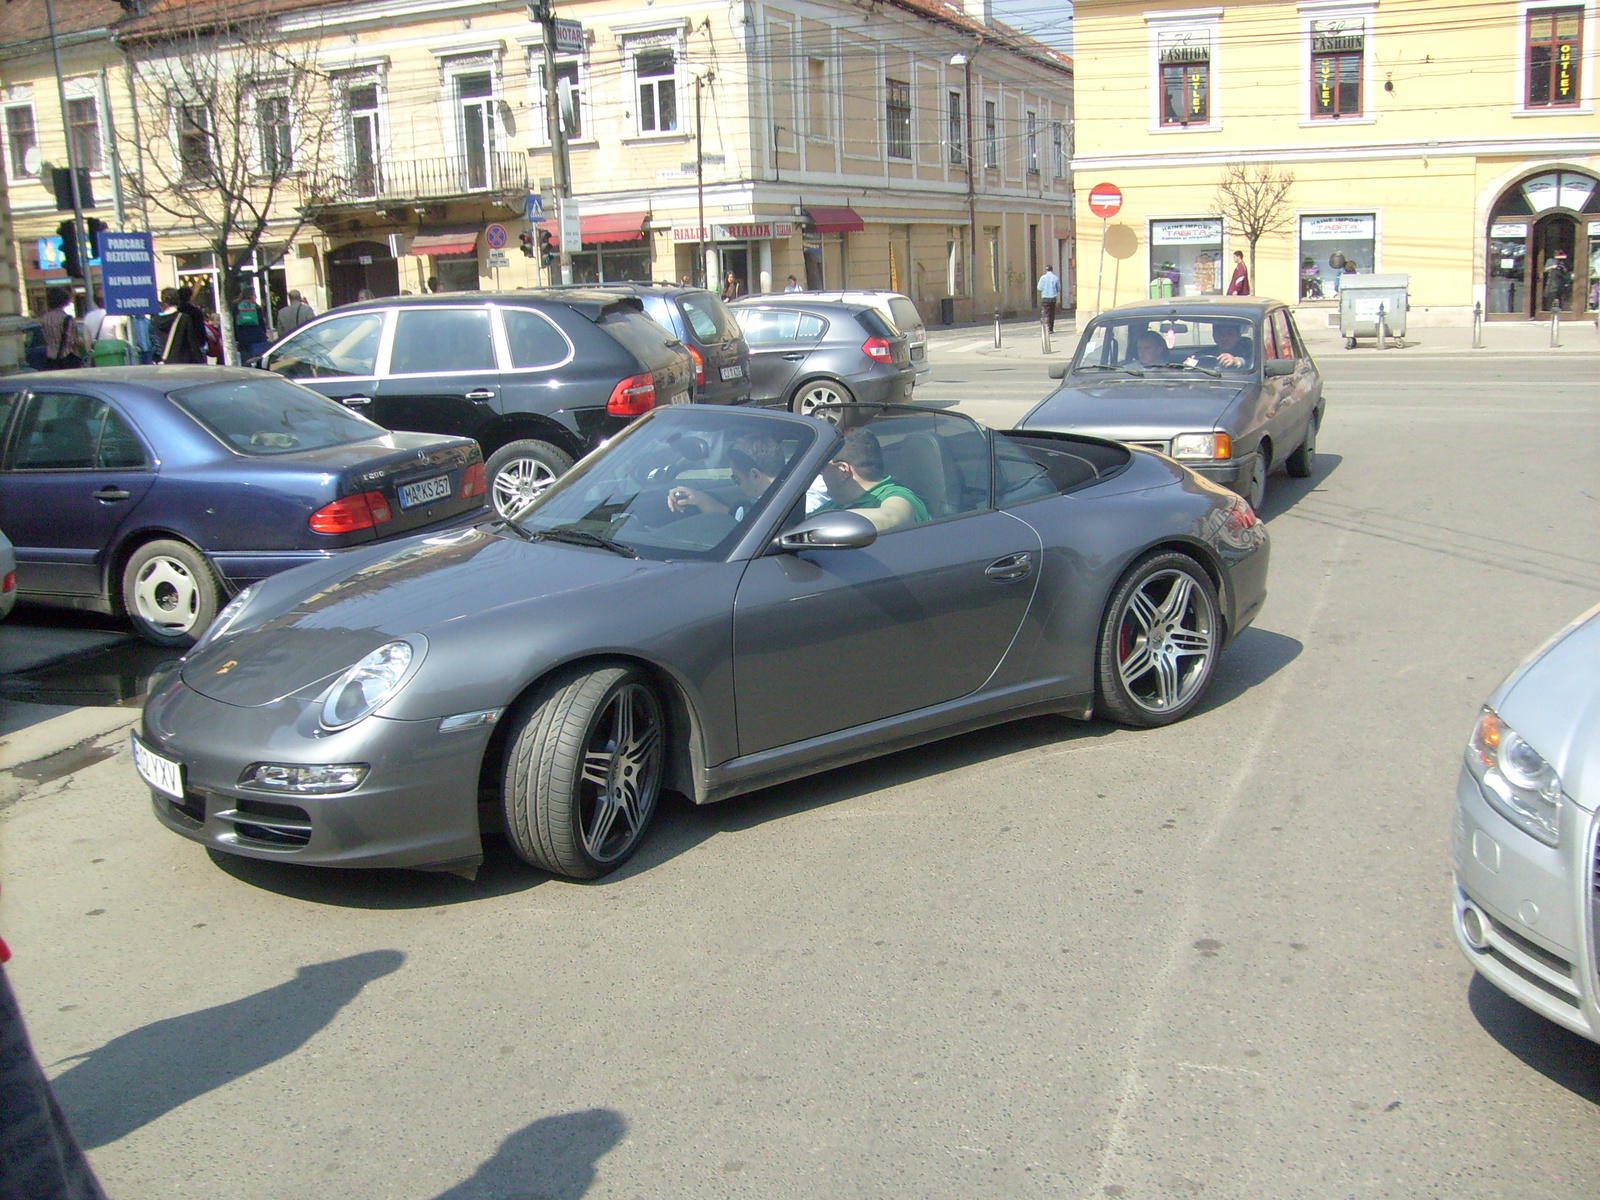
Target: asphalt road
{"type": "Point", "coordinates": [1052, 959]}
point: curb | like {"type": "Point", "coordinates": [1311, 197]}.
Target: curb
{"type": "Point", "coordinates": [55, 734]}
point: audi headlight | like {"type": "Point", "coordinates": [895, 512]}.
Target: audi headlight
{"type": "Point", "coordinates": [365, 686]}
{"type": "Point", "coordinates": [1515, 779]}
{"type": "Point", "coordinates": [1202, 445]}
{"type": "Point", "coordinates": [223, 621]}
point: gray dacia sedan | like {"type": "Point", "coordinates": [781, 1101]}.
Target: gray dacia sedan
{"type": "Point", "coordinates": [1224, 385]}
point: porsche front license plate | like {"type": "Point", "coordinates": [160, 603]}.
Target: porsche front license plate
{"type": "Point", "coordinates": [158, 771]}
{"type": "Point", "coordinates": [425, 492]}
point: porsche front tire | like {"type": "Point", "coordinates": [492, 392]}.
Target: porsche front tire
{"type": "Point", "coordinates": [583, 773]}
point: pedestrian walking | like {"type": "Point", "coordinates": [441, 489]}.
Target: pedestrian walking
{"type": "Point", "coordinates": [1239, 285]}
{"type": "Point", "coordinates": [294, 314]}
{"type": "Point", "coordinates": [1557, 282]}
{"type": "Point", "coordinates": [1049, 289]}
{"type": "Point", "coordinates": [732, 289]}
{"type": "Point", "coordinates": [249, 329]}
{"type": "Point", "coordinates": [92, 319]}
{"type": "Point", "coordinates": [62, 335]}
{"type": "Point", "coordinates": [175, 336]}
{"type": "Point", "coordinates": [792, 286]}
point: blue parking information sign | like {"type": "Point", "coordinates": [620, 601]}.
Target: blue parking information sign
{"type": "Point", "coordinates": [128, 272]}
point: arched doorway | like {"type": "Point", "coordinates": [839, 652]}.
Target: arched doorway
{"type": "Point", "coordinates": [1543, 230]}
{"type": "Point", "coordinates": [358, 265]}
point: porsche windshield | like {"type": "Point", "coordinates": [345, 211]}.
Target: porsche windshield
{"type": "Point", "coordinates": [1158, 344]}
{"type": "Point", "coordinates": [684, 483]}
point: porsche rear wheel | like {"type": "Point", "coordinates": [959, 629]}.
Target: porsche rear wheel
{"type": "Point", "coordinates": [1158, 643]}
{"type": "Point", "coordinates": [583, 773]}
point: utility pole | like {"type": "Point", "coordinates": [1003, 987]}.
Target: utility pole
{"type": "Point", "coordinates": [544, 12]}
{"type": "Point", "coordinates": [707, 273]}
{"type": "Point", "coordinates": [85, 252]}
{"type": "Point", "coordinates": [972, 186]}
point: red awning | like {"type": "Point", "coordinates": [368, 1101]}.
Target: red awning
{"type": "Point", "coordinates": [608, 227]}
{"type": "Point", "coordinates": [454, 241]}
{"type": "Point", "coordinates": [836, 220]}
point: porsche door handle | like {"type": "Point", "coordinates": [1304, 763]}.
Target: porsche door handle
{"type": "Point", "coordinates": [109, 494]}
{"type": "Point", "coordinates": [481, 394]}
{"type": "Point", "coordinates": [355, 401]}
{"type": "Point", "coordinates": [1010, 568]}
{"type": "Point", "coordinates": [795, 356]}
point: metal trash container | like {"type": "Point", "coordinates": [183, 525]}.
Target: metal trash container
{"type": "Point", "coordinates": [1360, 297]}
{"type": "Point", "coordinates": [947, 310]}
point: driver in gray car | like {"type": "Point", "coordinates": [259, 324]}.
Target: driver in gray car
{"type": "Point", "coordinates": [754, 463]}
{"type": "Point", "coordinates": [1233, 349]}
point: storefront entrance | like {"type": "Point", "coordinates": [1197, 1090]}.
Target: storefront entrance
{"type": "Point", "coordinates": [1544, 247]}
{"type": "Point", "coordinates": [361, 265]}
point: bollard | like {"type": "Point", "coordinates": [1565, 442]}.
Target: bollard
{"type": "Point", "coordinates": [1555, 327]}
{"type": "Point", "coordinates": [1044, 336]}
{"type": "Point", "coordinates": [997, 329]}
{"type": "Point", "coordinates": [1383, 330]}
{"type": "Point", "coordinates": [1477, 325]}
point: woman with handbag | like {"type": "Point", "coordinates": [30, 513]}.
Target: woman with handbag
{"type": "Point", "coordinates": [173, 335]}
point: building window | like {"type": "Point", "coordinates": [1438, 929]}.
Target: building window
{"type": "Point", "coordinates": [1185, 76]}
{"type": "Point", "coordinates": [277, 135]}
{"type": "Point", "coordinates": [83, 126]}
{"type": "Point", "coordinates": [1186, 257]}
{"type": "Point", "coordinates": [992, 236]}
{"type": "Point", "coordinates": [1336, 50]}
{"type": "Point", "coordinates": [1058, 137]}
{"type": "Point", "coordinates": [953, 115]}
{"type": "Point", "coordinates": [991, 135]}
{"type": "Point", "coordinates": [195, 160]}
{"type": "Point", "coordinates": [1555, 47]}
{"type": "Point", "coordinates": [897, 113]}
{"type": "Point", "coordinates": [1033, 143]}
{"type": "Point", "coordinates": [817, 97]}
{"type": "Point", "coordinates": [1334, 246]}
{"type": "Point", "coordinates": [657, 73]}
{"type": "Point", "coordinates": [361, 137]}
{"type": "Point", "coordinates": [22, 141]}
{"type": "Point", "coordinates": [474, 96]}
{"type": "Point", "coordinates": [568, 99]}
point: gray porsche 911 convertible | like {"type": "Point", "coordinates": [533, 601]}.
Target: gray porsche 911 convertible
{"type": "Point", "coordinates": [717, 601]}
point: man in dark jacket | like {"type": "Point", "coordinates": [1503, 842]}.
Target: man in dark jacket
{"type": "Point", "coordinates": [63, 335]}
{"type": "Point", "coordinates": [1557, 282]}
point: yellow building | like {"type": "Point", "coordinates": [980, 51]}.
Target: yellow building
{"type": "Point", "coordinates": [833, 143]}
{"type": "Point", "coordinates": [1454, 142]}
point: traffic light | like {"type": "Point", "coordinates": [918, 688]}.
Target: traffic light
{"type": "Point", "coordinates": [526, 240]}
{"type": "Point", "coordinates": [548, 251]}
{"type": "Point", "coordinates": [67, 231]}
{"type": "Point", "coordinates": [96, 228]}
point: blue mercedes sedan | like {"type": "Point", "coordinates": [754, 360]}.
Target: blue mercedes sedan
{"type": "Point", "coordinates": [157, 492]}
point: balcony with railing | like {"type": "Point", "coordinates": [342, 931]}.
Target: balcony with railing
{"type": "Point", "coordinates": [489, 176]}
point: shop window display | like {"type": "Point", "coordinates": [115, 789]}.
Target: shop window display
{"type": "Point", "coordinates": [1186, 257]}
{"type": "Point", "coordinates": [1333, 246]}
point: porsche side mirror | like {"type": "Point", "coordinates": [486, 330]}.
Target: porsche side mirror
{"type": "Point", "coordinates": [837, 529]}
{"type": "Point", "coordinates": [1278, 366]}
{"type": "Point", "coordinates": [1058, 370]}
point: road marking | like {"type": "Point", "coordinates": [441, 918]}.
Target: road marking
{"type": "Point", "coordinates": [1182, 925]}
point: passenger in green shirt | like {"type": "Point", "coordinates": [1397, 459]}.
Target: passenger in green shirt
{"type": "Point", "coordinates": [855, 479]}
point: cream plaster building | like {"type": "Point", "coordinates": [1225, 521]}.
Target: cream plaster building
{"type": "Point", "coordinates": [1456, 143]}
{"type": "Point", "coordinates": [834, 142]}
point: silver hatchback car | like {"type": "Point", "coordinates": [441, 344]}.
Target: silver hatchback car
{"type": "Point", "coordinates": [1527, 862]}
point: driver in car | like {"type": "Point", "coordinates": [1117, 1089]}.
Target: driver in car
{"type": "Point", "coordinates": [1233, 349]}
{"type": "Point", "coordinates": [855, 479]}
{"type": "Point", "coordinates": [754, 462]}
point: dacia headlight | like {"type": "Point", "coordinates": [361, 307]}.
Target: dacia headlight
{"type": "Point", "coordinates": [364, 687]}
{"type": "Point", "coordinates": [1202, 445]}
{"type": "Point", "coordinates": [1515, 779]}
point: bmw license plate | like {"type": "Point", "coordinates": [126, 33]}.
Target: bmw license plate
{"type": "Point", "coordinates": [159, 771]}
{"type": "Point", "coordinates": [733, 372]}
{"type": "Point", "coordinates": [425, 491]}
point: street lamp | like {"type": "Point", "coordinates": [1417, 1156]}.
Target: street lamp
{"type": "Point", "coordinates": [964, 61]}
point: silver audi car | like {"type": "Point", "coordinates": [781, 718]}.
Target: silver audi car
{"type": "Point", "coordinates": [1527, 902]}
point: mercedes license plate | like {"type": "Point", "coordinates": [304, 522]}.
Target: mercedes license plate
{"type": "Point", "coordinates": [733, 372]}
{"type": "Point", "coordinates": [158, 771]}
{"type": "Point", "coordinates": [425, 491]}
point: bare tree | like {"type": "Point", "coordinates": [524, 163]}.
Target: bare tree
{"type": "Point", "coordinates": [235, 124]}
{"type": "Point", "coordinates": [1255, 200]}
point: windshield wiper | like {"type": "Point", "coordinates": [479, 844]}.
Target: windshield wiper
{"type": "Point", "coordinates": [508, 523]}
{"type": "Point", "coordinates": [1215, 374]}
{"type": "Point", "coordinates": [1103, 367]}
{"type": "Point", "coordinates": [582, 537]}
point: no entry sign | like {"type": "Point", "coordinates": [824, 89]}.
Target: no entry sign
{"type": "Point", "coordinates": [1105, 199]}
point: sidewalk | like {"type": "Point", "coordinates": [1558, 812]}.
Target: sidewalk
{"type": "Point", "coordinates": [1020, 340]}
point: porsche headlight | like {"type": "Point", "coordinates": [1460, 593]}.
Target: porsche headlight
{"type": "Point", "coordinates": [223, 621]}
{"type": "Point", "coordinates": [365, 686]}
{"type": "Point", "coordinates": [1515, 779]}
{"type": "Point", "coordinates": [1202, 445]}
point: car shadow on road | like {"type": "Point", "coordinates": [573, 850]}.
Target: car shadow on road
{"type": "Point", "coordinates": [1555, 1052]}
{"type": "Point", "coordinates": [502, 874]}
{"type": "Point", "coordinates": [141, 1076]}
{"type": "Point", "coordinates": [1255, 657]}
{"type": "Point", "coordinates": [555, 1158]}
{"type": "Point", "coordinates": [1284, 491]}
